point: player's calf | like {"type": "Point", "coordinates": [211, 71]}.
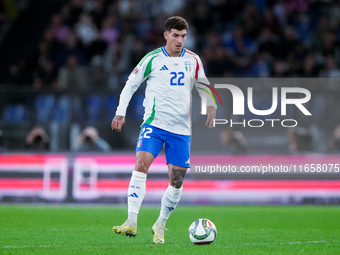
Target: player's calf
{"type": "Point", "coordinates": [177, 177]}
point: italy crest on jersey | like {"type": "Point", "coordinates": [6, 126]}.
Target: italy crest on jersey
{"type": "Point", "coordinates": [187, 65]}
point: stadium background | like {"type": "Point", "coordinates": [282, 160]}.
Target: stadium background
{"type": "Point", "coordinates": [103, 41]}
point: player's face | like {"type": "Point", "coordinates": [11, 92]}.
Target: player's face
{"type": "Point", "coordinates": [174, 41]}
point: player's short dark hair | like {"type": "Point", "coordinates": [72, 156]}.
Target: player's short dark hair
{"type": "Point", "coordinates": [175, 22]}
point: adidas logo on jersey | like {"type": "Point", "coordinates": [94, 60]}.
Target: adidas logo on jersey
{"type": "Point", "coordinates": [133, 195]}
{"type": "Point", "coordinates": [164, 68]}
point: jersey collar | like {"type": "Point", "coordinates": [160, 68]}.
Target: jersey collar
{"type": "Point", "coordinates": [168, 55]}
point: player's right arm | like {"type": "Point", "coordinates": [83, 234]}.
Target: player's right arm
{"type": "Point", "coordinates": [129, 89]}
{"type": "Point", "coordinates": [117, 123]}
{"type": "Point", "coordinates": [136, 78]}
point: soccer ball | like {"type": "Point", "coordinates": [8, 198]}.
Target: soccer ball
{"type": "Point", "coordinates": [202, 231]}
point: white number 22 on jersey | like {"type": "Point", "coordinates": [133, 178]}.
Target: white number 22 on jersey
{"type": "Point", "coordinates": [145, 132]}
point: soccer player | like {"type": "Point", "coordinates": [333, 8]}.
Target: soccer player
{"type": "Point", "coordinates": [171, 72]}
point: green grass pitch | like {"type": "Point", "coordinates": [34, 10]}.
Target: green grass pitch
{"type": "Point", "coordinates": [41, 229]}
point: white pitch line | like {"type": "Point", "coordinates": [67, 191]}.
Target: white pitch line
{"type": "Point", "coordinates": [320, 241]}
{"type": "Point", "coordinates": [282, 243]}
{"type": "Point", "coordinates": [29, 246]}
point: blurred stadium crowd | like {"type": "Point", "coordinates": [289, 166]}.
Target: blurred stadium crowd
{"type": "Point", "coordinates": [89, 47]}
{"type": "Point", "coordinates": [102, 40]}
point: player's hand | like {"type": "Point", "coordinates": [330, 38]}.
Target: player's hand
{"type": "Point", "coordinates": [211, 115]}
{"type": "Point", "coordinates": [117, 123]}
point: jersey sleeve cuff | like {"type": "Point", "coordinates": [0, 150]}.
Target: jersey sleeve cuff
{"type": "Point", "coordinates": [120, 113]}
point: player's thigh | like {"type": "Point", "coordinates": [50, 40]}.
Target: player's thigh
{"type": "Point", "coordinates": [150, 139]}
{"type": "Point", "coordinates": [144, 160]}
{"type": "Point", "coordinates": [177, 150]}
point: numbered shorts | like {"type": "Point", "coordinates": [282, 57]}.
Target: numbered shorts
{"type": "Point", "coordinates": [177, 147]}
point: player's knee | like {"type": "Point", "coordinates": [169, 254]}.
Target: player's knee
{"type": "Point", "coordinates": [141, 167]}
{"type": "Point", "coordinates": [177, 177]}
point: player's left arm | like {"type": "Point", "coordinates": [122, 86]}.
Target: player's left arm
{"type": "Point", "coordinates": [201, 81]}
{"type": "Point", "coordinates": [211, 115]}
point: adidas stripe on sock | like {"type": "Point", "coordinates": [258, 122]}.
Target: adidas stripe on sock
{"type": "Point", "coordinates": [136, 192]}
{"type": "Point", "coordinates": [169, 202]}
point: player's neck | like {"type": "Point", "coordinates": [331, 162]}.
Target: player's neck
{"type": "Point", "coordinates": [172, 53]}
